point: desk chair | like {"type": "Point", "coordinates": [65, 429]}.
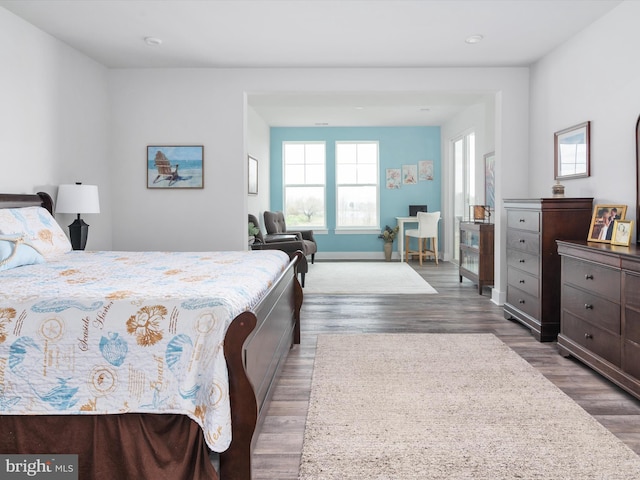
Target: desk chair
{"type": "Point", "coordinates": [427, 230]}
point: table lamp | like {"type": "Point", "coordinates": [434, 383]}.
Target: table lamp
{"type": "Point", "coordinates": [78, 199]}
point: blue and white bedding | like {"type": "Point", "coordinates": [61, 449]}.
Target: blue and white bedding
{"type": "Point", "coordinates": [119, 332]}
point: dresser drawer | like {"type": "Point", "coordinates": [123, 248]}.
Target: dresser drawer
{"type": "Point", "coordinates": [524, 261]}
{"type": "Point", "coordinates": [632, 324]}
{"type": "Point", "coordinates": [595, 278]}
{"type": "Point", "coordinates": [523, 241]}
{"type": "Point", "coordinates": [523, 281]}
{"type": "Point", "coordinates": [631, 290]}
{"type": "Point", "coordinates": [591, 308]}
{"type": "Point", "coordinates": [523, 220]}
{"type": "Point", "coordinates": [600, 342]}
{"type": "Point", "coordinates": [523, 301]}
{"type": "Point", "coordinates": [631, 359]}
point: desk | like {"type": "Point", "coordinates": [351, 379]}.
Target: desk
{"type": "Point", "coordinates": [401, 221]}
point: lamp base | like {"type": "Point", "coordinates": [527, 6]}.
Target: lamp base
{"type": "Point", "coordinates": [78, 232]}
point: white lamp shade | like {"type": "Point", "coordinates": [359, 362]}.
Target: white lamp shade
{"type": "Point", "coordinates": [77, 198]}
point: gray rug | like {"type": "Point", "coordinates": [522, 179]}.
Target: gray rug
{"type": "Point", "coordinates": [365, 278]}
{"type": "Point", "coordinates": [447, 406]}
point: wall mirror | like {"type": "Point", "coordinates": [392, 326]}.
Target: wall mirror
{"type": "Point", "coordinates": [572, 152]}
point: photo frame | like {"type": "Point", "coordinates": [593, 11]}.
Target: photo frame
{"type": "Point", "coordinates": [622, 230]}
{"type": "Point", "coordinates": [393, 178]}
{"type": "Point", "coordinates": [490, 180]}
{"type": "Point", "coordinates": [409, 174]}
{"type": "Point", "coordinates": [253, 175]}
{"type": "Point", "coordinates": [572, 152]}
{"type": "Point", "coordinates": [175, 166]}
{"type": "Point", "coordinates": [603, 222]}
{"type": "Point", "coordinates": [425, 170]}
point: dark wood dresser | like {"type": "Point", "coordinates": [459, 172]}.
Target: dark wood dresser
{"type": "Point", "coordinates": [533, 264]}
{"type": "Point", "coordinates": [601, 309]}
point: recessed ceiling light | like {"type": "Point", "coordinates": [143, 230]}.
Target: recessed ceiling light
{"type": "Point", "coordinates": [474, 39]}
{"type": "Point", "coordinates": [425, 109]}
{"type": "Point", "coordinates": [152, 41]}
{"type": "Point", "coordinates": [359, 107]}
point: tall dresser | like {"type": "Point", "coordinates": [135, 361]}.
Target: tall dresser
{"type": "Point", "coordinates": [533, 264]}
{"type": "Point", "coordinates": [601, 309]}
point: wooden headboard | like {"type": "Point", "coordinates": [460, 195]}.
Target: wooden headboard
{"type": "Point", "coordinates": [18, 200]}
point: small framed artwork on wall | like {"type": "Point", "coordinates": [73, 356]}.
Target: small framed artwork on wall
{"type": "Point", "coordinates": [253, 175]}
{"type": "Point", "coordinates": [175, 166]}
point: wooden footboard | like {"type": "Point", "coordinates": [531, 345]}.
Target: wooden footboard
{"type": "Point", "coordinates": [256, 346]}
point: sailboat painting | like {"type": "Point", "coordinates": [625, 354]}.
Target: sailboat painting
{"type": "Point", "coordinates": [175, 166]}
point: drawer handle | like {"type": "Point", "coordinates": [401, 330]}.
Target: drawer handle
{"type": "Point", "coordinates": [522, 260]}
{"type": "Point", "coordinates": [522, 220]}
{"type": "Point", "coordinates": [588, 306]}
{"type": "Point", "coordinates": [588, 276]}
{"type": "Point", "coordinates": [521, 302]}
{"type": "Point", "coordinates": [588, 336]}
{"type": "Point", "coordinates": [522, 240]}
{"type": "Point", "coordinates": [521, 281]}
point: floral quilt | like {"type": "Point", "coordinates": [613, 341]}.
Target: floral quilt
{"type": "Point", "coordinates": [118, 332]}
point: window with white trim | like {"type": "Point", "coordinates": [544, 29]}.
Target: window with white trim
{"type": "Point", "coordinates": [304, 184]}
{"type": "Point", "coordinates": [357, 185]}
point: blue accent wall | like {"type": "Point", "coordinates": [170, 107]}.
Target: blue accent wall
{"type": "Point", "coordinates": [397, 146]}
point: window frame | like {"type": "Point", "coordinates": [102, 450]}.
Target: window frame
{"type": "Point", "coordinates": [343, 229]}
{"type": "Point", "coordinates": [285, 185]}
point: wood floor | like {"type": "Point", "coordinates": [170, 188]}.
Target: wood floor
{"type": "Point", "coordinates": [457, 308]}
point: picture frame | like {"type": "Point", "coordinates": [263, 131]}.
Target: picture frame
{"type": "Point", "coordinates": [409, 174]}
{"type": "Point", "coordinates": [175, 166]}
{"type": "Point", "coordinates": [425, 170]}
{"type": "Point", "coordinates": [603, 222]}
{"type": "Point", "coordinates": [572, 158]}
{"type": "Point", "coordinates": [622, 230]}
{"type": "Point", "coordinates": [393, 177]}
{"type": "Point", "coordinates": [253, 175]}
{"type": "Point", "coordinates": [490, 180]}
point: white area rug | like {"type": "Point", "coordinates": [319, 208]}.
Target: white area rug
{"type": "Point", "coordinates": [447, 407]}
{"type": "Point", "coordinates": [364, 278]}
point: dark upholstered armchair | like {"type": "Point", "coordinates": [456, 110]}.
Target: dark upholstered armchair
{"type": "Point", "coordinates": [288, 243]}
{"type": "Point", "coordinates": [275, 224]}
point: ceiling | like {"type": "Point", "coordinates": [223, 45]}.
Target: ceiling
{"type": "Point", "coordinates": [319, 33]}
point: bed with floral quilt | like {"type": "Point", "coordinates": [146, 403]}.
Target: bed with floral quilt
{"type": "Point", "coordinates": [141, 363]}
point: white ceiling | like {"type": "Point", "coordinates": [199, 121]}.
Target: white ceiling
{"type": "Point", "coordinates": [319, 33]}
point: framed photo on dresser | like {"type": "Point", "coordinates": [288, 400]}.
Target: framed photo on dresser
{"type": "Point", "coordinates": [622, 230]}
{"type": "Point", "coordinates": [603, 222]}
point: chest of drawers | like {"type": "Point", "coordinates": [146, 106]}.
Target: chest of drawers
{"type": "Point", "coordinates": [600, 321]}
{"type": "Point", "coordinates": [533, 264]}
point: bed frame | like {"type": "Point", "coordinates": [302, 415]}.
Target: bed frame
{"type": "Point", "coordinates": [255, 347]}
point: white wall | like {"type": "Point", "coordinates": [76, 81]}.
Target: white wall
{"type": "Point", "coordinates": [595, 76]}
{"type": "Point", "coordinates": [206, 106]}
{"type": "Point", "coordinates": [258, 142]}
{"type": "Point", "coordinates": [53, 120]}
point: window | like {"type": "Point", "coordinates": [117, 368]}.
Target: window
{"type": "Point", "coordinates": [357, 185]}
{"type": "Point", "coordinates": [464, 158]}
{"type": "Point", "coordinates": [304, 184]}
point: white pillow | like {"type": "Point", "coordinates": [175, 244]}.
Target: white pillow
{"type": "Point", "coordinates": [37, 226]}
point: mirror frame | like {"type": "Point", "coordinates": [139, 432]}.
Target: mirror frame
{"type": "Point", "coordinates": [558, 136]}
{"type": "Point", "coordinates": [637, 179]}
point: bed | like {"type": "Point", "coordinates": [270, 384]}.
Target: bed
{"type": "Point", "coordinates": [150, 376]}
